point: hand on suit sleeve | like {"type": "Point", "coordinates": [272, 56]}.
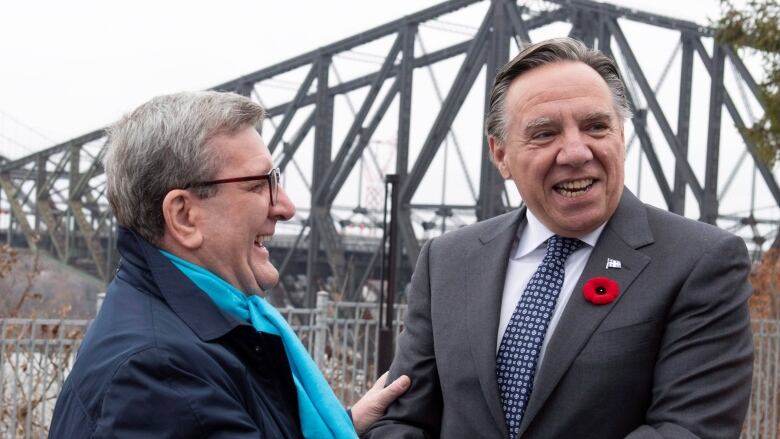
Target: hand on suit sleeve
{"type": "Point", "coordinates": [417, 413]}
{"type": "Point", "coordinates": [375, 402]}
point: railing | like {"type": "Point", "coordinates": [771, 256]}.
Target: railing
{"type": "Point", "coordinates": [36, 355]}
{"type": "Point", "coordinates": [762, 416]}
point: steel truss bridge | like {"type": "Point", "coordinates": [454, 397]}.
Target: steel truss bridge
{"type": "Point", "coordinates": [408, 97]}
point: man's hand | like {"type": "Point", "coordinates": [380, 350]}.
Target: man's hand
{"type": "Point", "coordinates": [374, 403]}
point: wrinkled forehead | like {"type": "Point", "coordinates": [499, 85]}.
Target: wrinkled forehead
{"type": "Point", "coordinates": [243, 151]}
{"type": "Point", "coordinates": [559, 85]}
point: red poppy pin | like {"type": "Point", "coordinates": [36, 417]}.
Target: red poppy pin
{"type": "Point", "coordinates": [600, 290]}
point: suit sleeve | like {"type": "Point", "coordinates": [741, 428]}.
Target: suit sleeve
{"type": "Point", "coordinates": [416, 413]}
{"type": "Point", "coordinates": [703, 372]}
{"type": "Point", "coordinates": [149, 396]}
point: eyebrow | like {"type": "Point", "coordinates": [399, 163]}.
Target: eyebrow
{"type": "Point", "coordinates": [538, 122]}
{"type": "Point", "coordinates": [547, 121]}
{"type": "Point", "coordinates": [596, 116]}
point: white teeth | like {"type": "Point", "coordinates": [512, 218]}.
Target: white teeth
{"type": "Point", "coordinates": [576, 184]}
{"type": "Point", "coordinates": [574, 188]}
{"type": "Point", "coordinates": [261, 239]}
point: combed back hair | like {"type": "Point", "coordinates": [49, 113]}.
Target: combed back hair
{"type": "Point", "coordinates": [548, 52]}
{"type": "Point", "coordinates": [165, 144]}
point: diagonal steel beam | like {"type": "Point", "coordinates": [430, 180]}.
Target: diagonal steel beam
{"type": "Point", "coordinates": [542, 19]}
{"type": "Point", "coordinates": [90, 238]}
{"type": "Point", "coordinates": [347, 43]}
{"type": "Point", "coordinates": [292, 107]}
{"type": "Point", "coordinates": [36, 189]}
{"type": "Point", "coordinates": [640, 127]}
{"type": "Point", "coordinates": [53, 219]}
{"type": "Point", "coordinates": [656, 20]}
{"type": "Point", "coordinates": [763, 169]}
{"type": "Point", "coordinates": [519, 26]}
{"type": "Point", "coordinates": [745, 74]}
{"type": "Point", "coordinates": [464, 79]}
{"type": "Point", "coordinates": [652, 102]}
{"type": "Point", "coordinates": [469, 69]}
{"type": "Point", "coordinates": [366, 80]}
{"type": "Point", "coordinates": [95, 169]}
{"type": "Point", "coordinates": [289, 149]}
{"type": "Point", "coordinates": [86, 138]}
{"type": "Point", "coordinates": [326, 186]}
{"type": "Point", "coordinates": [362, 142]}
{"type": "Point", "coordinates": [18, 212]}
{"type": "Point", "coordinates": [52, 177]}
{"type": "Point", "coordinates": [451, 136]}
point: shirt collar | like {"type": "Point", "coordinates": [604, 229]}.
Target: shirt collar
{"type": "Point", "coordinates": [534, 234]}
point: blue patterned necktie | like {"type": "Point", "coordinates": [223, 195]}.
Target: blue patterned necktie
{"type": "Point", "coordinates": [519, 350]}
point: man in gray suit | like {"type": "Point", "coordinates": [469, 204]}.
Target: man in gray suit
{"type": "Point", "coordinates": [585, 314]}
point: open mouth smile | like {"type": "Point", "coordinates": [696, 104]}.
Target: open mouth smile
{"type": "Point", "coordinates": [260, 240]}
{"type": "Point", "coordinates": [574, 188]}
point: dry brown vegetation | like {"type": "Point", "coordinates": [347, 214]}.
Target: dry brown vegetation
{"type": "Point", "coordinates": [765, 278]}
{"type": "Point", "coordinates": [34, 285]}
{"type": "Point", "coordinates": [35, 354]}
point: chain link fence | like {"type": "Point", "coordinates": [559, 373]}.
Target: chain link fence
{"type": "Point", "coordinates": [342, 337]}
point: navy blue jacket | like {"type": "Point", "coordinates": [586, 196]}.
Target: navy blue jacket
{"type": "Point", "coordinates": [161, 360]}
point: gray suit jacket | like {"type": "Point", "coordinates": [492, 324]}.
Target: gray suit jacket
{"type": "Point", "coordinates": [670, 358]}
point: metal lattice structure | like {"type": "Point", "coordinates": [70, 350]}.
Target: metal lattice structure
{"type": "Point", "coordinates": [406, 98]}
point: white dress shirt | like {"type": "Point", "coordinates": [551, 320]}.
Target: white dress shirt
{"type": "Point", "coordinates": [526, 255]}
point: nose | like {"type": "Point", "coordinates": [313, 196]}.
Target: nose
{"type": "Point", "coordinates": [575, 151]}
{"type": "Point", "coordinates": [283, 209]}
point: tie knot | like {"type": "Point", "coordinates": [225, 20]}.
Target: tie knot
{"type": "Point", "coordinates": [559, 247]}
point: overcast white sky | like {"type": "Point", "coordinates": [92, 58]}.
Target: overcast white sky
{"type": "Point", "coordinates": [69, 67]}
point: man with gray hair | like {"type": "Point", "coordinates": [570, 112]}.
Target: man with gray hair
{"type": "Point", "coordinates": [586, 313]}
{"type": "Point", "coordinates": [184, 344]}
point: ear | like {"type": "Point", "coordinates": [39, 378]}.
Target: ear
{"type": "Point", "coordinates": [498, 154]}
{"type": "Point", "coordinates": [180, 210]}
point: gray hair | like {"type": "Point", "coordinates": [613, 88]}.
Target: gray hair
{"type": "Point", "coordinates": [165, 144]}
{"type": "Point", "coordinates": [548, 52]}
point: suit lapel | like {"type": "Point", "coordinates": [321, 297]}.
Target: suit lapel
{"type": "Point", "coordinates": [485, 286]}
{"type": "Point", "coordinates": [626, 231]}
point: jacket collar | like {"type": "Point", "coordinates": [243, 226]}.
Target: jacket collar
{"type": "Point", "coordinates": [152, 272]}
{"type": "Point", "coordinates": [623, 238]}
{"type": "Point", "coordinates": [624, 234]}
{"type": "Point", "coordinates": [485, 277]}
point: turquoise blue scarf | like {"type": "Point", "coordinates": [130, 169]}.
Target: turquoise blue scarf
{"type": "Point", "coordinates": [321, 413]}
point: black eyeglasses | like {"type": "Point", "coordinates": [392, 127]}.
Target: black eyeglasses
{"type": "Point", "coordinates": [272, 177]}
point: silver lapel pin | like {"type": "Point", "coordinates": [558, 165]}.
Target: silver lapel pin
{"type": "Point", "coordinates": [613, 263]}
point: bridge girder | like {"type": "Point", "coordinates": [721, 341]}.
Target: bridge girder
{"type": "Point", "coordinates": [55, 199]}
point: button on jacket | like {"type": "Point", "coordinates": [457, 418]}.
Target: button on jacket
{"type": "Point", "coordinates": [161, 360]}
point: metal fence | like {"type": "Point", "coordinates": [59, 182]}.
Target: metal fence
{"type": "Point", "coordinates": [342, 337]}
{"type": "Point", "coordinates": [38, 354]}
{"type": "Point", "coordinates": [762, 416]}
{"type": "Point", "coordinates": [35, 356]}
